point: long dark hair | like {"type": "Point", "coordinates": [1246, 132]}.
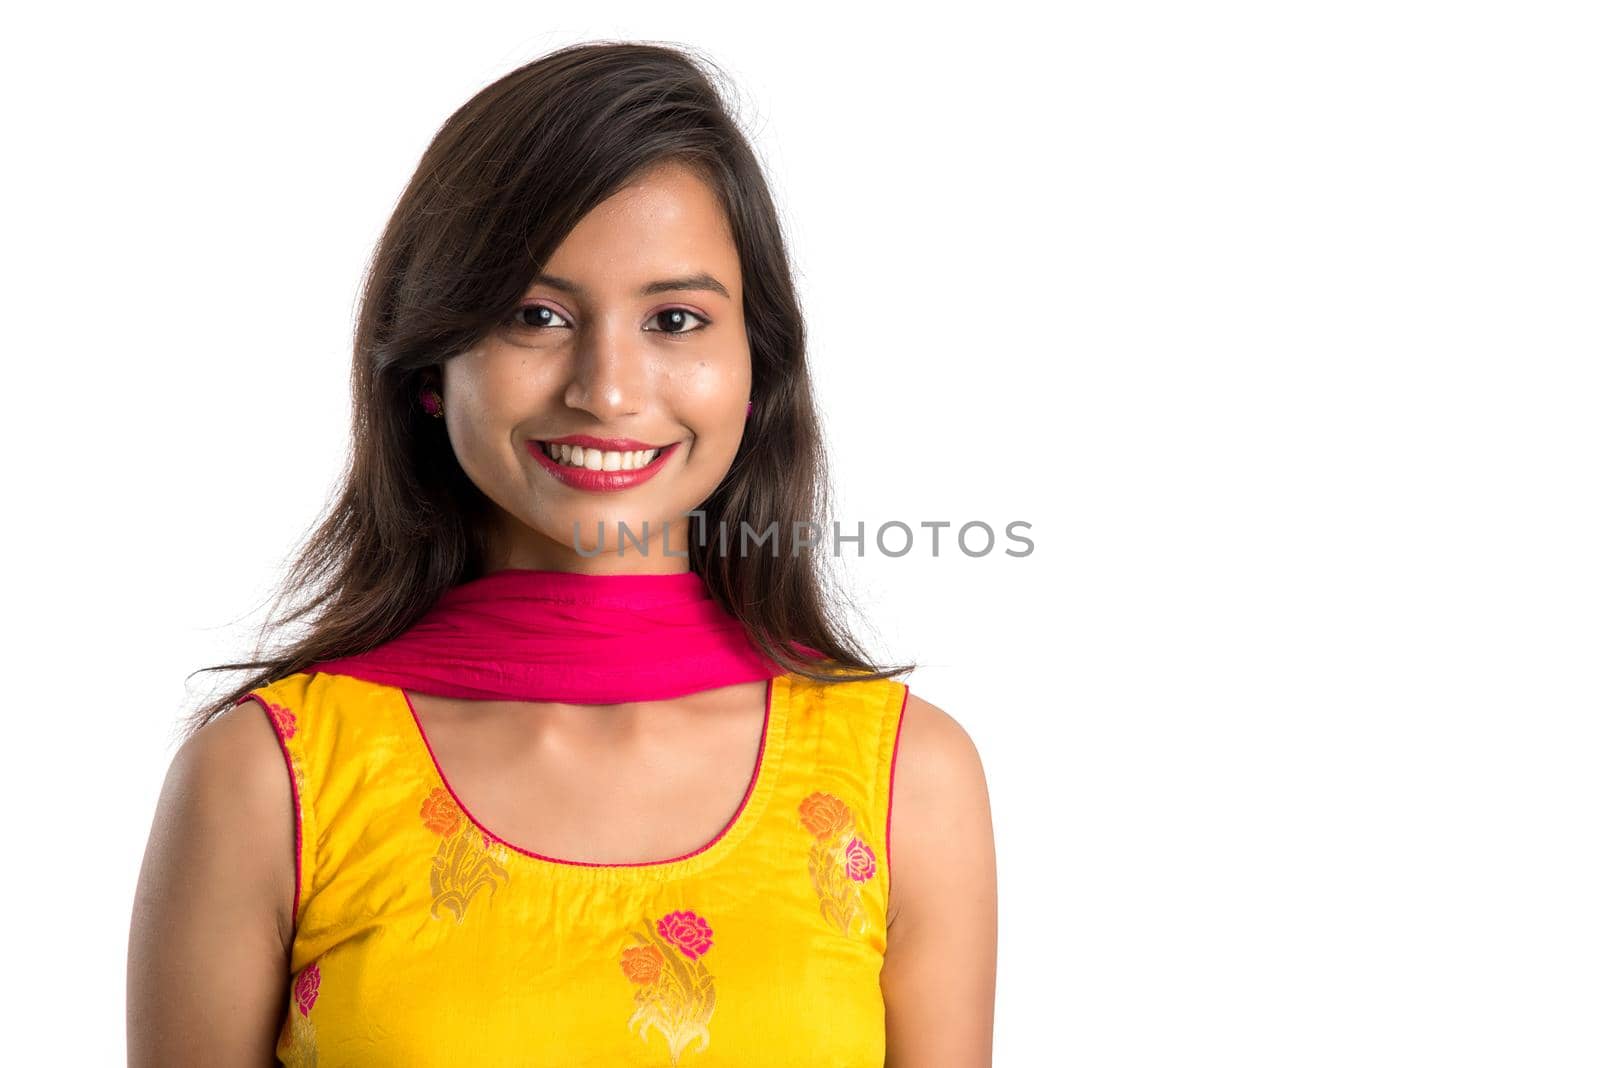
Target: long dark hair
{"type": "Point", "coordinates": [504, 180]}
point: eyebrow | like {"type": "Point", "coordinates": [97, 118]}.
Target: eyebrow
{"type": "Point", "coordinates": [701, 281]}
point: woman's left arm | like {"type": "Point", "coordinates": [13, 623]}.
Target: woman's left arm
{"type": "Point", "coordinates": [939, 966]}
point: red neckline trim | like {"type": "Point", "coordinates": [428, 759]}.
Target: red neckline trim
{"type": "Point", "coordinates": [744, 802]}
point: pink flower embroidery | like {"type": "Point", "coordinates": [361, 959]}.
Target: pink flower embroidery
{"type": "Point", "coordinates": [297, 1041]}
{"type": "Point", "coordinates": [688, 932]}
{"type": "Point", "coordinates": [306, 986]}
{"type": "Point", "coordinates": [859, 862]}
{"type": "Point", "coordinates": [673, 993]}
{"type": "Point", "coordinates": [282, 718]}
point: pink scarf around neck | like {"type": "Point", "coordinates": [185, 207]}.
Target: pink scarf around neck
{"type": "Point", "coordinates": [533, 635]}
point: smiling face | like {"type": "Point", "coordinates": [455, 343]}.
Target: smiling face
{"type": "Point", "coordinates": [634, 331]}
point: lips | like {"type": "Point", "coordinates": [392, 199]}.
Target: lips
{"type": "Point", "coordinates": [589, 441]}
{"type": "Point", "coordinates": [601, 481]}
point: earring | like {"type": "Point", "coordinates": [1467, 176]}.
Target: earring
{"type": "Point", "coordinates": [748, 408]}
{"type": "Point", "coordinates": [432, 403]}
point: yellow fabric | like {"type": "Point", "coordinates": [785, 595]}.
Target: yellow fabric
{"type": "Point", "coordinates": [421, 939]}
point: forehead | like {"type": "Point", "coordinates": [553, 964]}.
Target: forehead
{"type": "Point", "coordinates": [668, 221]}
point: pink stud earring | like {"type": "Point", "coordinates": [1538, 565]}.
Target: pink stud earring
{"type": "Point", "coordinates": [748, 408]}
{"type": "Point", "coordinates": [432, 403]}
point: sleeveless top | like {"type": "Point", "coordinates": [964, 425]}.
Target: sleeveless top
{"type": "Point", "coordinates": [421, 938]}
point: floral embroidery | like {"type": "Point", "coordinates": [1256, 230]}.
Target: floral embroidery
{"type": "Point", "coordinates": [859, 863]}
{"type": "Point", "coordinates": [297, 1042]}
{"type": "Point", "coordinates": [283, 722]}
{"type": "Point", "coordinates": [675, 993]}
{"type": "Point", "coordinates": [441, 814]}
{"type": "Point", "coordinates": [282, 718]}
{"type": "Point", "coordinates": [467, 860]}
{"type": "Point", "coordinates": [306, 987]}
{"type": "Point", "coordinates": [840, 860]}
{"type": "Point", "coordinates": [687, 931]}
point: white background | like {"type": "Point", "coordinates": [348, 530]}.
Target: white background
{"type": "Point", "coordinates": [1276, 321]}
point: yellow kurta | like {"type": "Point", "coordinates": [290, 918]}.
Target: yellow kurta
{"type": "Point", "coordinates": [423, 939]}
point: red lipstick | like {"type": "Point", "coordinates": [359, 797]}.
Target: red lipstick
{"type": "Point", "coordinates": [600, 481]}
{"type": "Point", "coordinates": [589, 441]}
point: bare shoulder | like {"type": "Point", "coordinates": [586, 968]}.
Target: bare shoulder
{"type": "Point", "coordinates": [236, 765]}
{"type": "Point", "coordinates": [939, 802]}
{"type": "Point", "coordinates": [211, 923]}
{"type": "Point", "coordinates": [939, 967]}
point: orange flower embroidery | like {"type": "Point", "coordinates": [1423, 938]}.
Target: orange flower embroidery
{"type": "Point", "coordinates": [440, 812]}
{"type": "Point", "coordinates": [641, 964]}
{"type": "Point", "coordinates": [297, 1042]}
{"type": "Point", "coordinates": [840, 860]}
{"type": "Point", "coordinates": [467, 859]}
{"type": "Point", "coordinates": [674, 992]}
{"type": "Point", "coordinates": [825, 815]}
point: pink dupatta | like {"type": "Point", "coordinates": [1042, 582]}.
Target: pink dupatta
{"type": "Point", "coordinates": [532, 635]}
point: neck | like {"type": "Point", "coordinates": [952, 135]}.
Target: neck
{"type": "Point", "coordinates": [514, 546]}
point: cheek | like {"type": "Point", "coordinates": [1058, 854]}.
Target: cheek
{"type": "Point", "coordinates": [483, 389]}
{"type": "Point", "coordinates": [481, 406]}
{"type": "Point", "coordinates": [492, 390]}
{"type": "Point", "coordinates": [712, 398]}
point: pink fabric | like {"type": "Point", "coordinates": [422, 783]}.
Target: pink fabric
{"type": "Point", "coordinates": [531, 635]}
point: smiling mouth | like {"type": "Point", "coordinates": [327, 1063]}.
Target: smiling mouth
{"type": "Point", "coordinates": [599, 459]}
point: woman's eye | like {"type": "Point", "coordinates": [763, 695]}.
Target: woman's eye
{"type": "Point", "coordinates": [672, 320]}
{"type": "Point", "coordinates": [541, 316]}
{"type": "Point", "coordinates": [675, 317]}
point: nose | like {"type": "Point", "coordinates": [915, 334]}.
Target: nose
{"type": "Point", "coordinates": [610, 375]}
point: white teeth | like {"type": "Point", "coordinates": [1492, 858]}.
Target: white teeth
{"type": "Point", "coordinates": [598, 460]}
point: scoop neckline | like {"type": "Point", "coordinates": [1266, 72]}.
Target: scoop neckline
{"type": "Point", "coordinates": [769, 755]}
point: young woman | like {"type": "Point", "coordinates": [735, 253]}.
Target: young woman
{"type": "Point", "coordinates": [562, 770]}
